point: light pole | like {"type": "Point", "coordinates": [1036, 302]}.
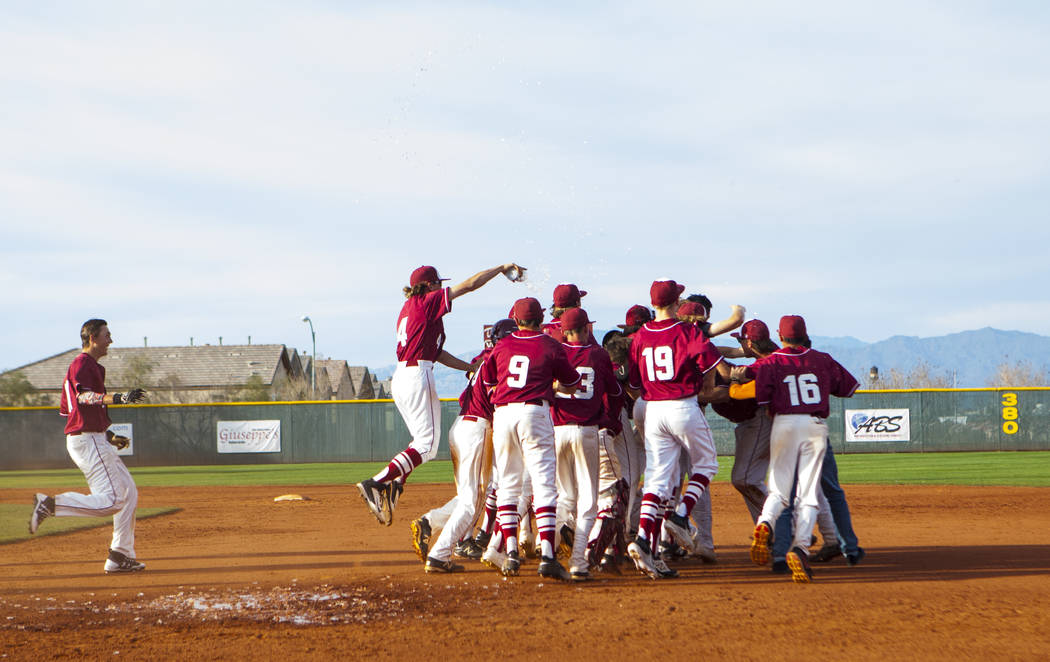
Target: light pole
{"type": "Point", "coordinates": [874, 376]}
{"type": "Point", "coordinates": [313, 357]}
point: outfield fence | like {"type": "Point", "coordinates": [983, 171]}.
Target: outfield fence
{"type": "Point", "coordinates": [921, 420]}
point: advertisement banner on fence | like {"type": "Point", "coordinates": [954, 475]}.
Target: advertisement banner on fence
{"type": "Point", "coordinates": [124, 430]}
{"type": "Point", "coordinates": [878, 425]}
{"type": "Point", "coordinates": [249, 436]}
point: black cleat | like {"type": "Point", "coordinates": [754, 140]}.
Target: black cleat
{"type": "Point", "coordinates": [43, 507]}
{"type": "Point", "coordinates": [550, 568]}
{"type": "Point", "coordinates": [377, 498]}
{"type": "Point", "coordinates": [118, 563]}
{"type": "Point", "coordinates": [447, 567]}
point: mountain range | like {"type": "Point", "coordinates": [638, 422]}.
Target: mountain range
{"type": "Point", "coordinates": [967, 359]}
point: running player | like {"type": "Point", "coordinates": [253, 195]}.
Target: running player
{"type": "Point", "coordinates": [91, 444]}
{"type": "Point", "coordinates": [521, 371]}
{"type": "Point", "coordinates": [796, 383]}
{"type": "Point", "coordinates": [420, 340]}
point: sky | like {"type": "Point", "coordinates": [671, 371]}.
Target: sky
{"type": "Point", "coordinates": [207, 170]}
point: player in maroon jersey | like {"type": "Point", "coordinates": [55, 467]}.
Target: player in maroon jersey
{"type": "Point", "coordinates": [576, 422]}
{"type": "Point", "coordinates": [671, 363]}
{"type": "Point", "coordinates": [521, 371]}
{"type": "Point", "coordinates": [795, 383]}
{"type": "Point", "coordinates": [420, 342]}
{"type": "Point", "coordinates": [90, 443]}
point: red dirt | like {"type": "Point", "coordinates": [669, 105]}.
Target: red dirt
{"type": "Point", "coordinates": [951, 572]}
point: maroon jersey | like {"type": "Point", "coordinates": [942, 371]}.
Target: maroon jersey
{"type": "Point", "coordinates": [668, 360]}
{"type": "Point", "coordinates": [587, 405]}
{"type": "Point", "coordinates": [84, 374]}
{"type": "Point", "coordinates": [797, 380]}
{"type": "Point", "coordinates": [523, 366]}
{"type": "Point", "coordinates": [420, 331]}
{"type": "Point", "coordinates": [474, 400]}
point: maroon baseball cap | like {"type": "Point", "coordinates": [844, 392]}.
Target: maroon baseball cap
{"type": "Point", "coordinates": [636, 316]}
{"type": "Point", "coordinates": [692, 308]}
{"type": "Point", "coordinates": [793, 326]}
{"type": "Point", "coordinates": [424, 274]}
{"type": "Point", "coordinates": [664, 292]}
{"type": "Point", "coordinates": [574, 318]}
{"type": "Point", "coordinates": [567, 295]}
{"type": "Point", "coordinates": [528, 308]}
{"type": "Point", "coordinates": [753, 330]}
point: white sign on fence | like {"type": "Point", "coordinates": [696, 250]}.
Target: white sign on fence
{"type": "Point", "coordinates": [878, 425]}
{"type": "Point", "coordinates": [249, 436]}
{"type": "Point", "coordinates": [124, 430]}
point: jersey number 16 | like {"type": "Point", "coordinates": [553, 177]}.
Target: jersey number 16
{"type": "Point", "coordinates": [804, 388]}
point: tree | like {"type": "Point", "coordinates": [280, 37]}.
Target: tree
{"type": "Point", "coordinates": [137, 372]}
{"type": "Point", "coordinates": [17, 391]}
{"type": "Point", "coordinates": [920, 376]}
{"type": "Point", "coordinates": [254, 390]}
{"type": "Point", "coordinates": [1019, 373]}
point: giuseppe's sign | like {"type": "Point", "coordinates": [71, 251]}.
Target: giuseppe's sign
{"type": "Point", "coordinates": [878, 425]}
{"type": "Point", "coordinates": [248, 436]}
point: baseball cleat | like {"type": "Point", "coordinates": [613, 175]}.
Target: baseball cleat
{"type": "Point", "coordinates": [662, 568]}
{"type": "Point", "coordinates": [511, 564]}
{"type": "Point", "coordinates": [377, 498]}
{"type": "Point", "coordinates": [826, 553]}
{"type": "Point", "coordinates": [678, 526]}
{"type": "Point", "coordinates": [468, 549]}
{"type": "Point", "coordinates": [856, 557]}
{"type": "Point", "coordinates": [798, 562]}
{"type": "Point", "coordinates": [707, 555]}
{"type": "Point", "coordinates": [780, 568]}
{"type": "Point", "coordinates": [118, 563]}
{"type": "Point", "coordinates": [493, 558]}
{"type": "Point", "coordinates": [550, 568]}
{"type": "Point", "coordinates": [397, 487]}
{"type": "Point", "coordinates": [609, 565]}
{"type": "Point", "coordinates": [643, 558]}
{"type": "Point", "coordinates": [581, 576]}
{"type": "Point", "coordinates": [482, 539]}
{"type": "Point", "coordinates": [434, 565]}
{"type": "Point", "coordinates": [43, 507]}
{"type": "Point", "coordinates": [421, 537]}
{"type": "Point", "coordinates": [568, 535]}
{"type": "Point", "coordinates": [760, 540]}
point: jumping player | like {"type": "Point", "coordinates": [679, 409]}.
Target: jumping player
{"type": "Point", "coordinates": [796, 383]}
{"type": "Point", "coordinates": [420, 340]}
{"type": "Point", "coordinates": [91, 445]}
{"type": "Point", "coordinates": [671, 363]}
{"type": "Point", "coordinates": [521, 371]}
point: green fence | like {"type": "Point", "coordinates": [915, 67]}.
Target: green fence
{"type": "Point", "coordinates": [372, 430]}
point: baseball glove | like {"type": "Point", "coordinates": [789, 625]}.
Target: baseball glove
{"type": "Point", "coordinates": [121, 442]}
{"type": "Point", "coordinates": [611, 527]}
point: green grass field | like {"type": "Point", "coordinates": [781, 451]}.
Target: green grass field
{"type": "Point", "coordinates": [1030, 469]}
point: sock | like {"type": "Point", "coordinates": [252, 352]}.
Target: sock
{"type": "Point", "coordinates": [546, 522]}
{"type": "Point", "coordinates": [508, 523]}
{"type": "Point", "coordinates": [490, 512]}
{"type": "Point", "coordinates": [697, 484]}
{"type": "Point", "coordinates": [649, 518]}
{"type": "Point", "coordinates": [402, 465]}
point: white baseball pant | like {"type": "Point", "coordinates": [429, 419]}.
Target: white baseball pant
{"type": "Point", "coordinates": [467, 443]}
{"type": "Point", "coordinates": [523, 444]}
{"type": "Point", "coordinates": [416, 398]}
{"type": "Point", "coordinates": [671, 428]}
{"type": "Point", "coordinates": [113, 491]}
{"type": "Point", "coordinates": [576, 448]}
{"type": "Point", "coordinates": [796, 442]}
{"type": "Point", "coordinates": [751, 461]}
{"type": "Point", "coordinates": [637, 460]}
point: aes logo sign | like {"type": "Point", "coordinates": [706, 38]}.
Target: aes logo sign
{"type": "Point", "coordinates": [878, 425]}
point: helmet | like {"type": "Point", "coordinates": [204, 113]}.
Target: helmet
{"type": "Point", "coordinates": [502, 329]}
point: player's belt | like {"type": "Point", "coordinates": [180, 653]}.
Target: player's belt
{"type": "Point", "coordinates": [539, 402]}
{"type": "Point", "coordinates": [472, 419]}
{"type": "Point", "coordinates": [412, 363]}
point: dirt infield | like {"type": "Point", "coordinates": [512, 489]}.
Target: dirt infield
{"type": "Point", "coordinates": [951, 572]}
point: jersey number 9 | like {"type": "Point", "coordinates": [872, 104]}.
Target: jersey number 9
{"type": "Point", "coordinates": [519, 371]}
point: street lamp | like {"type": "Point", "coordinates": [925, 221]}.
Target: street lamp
{"type": "Point", "coordinates": [874, 376]}
{"type": "Point", "coordinates": [313, 358]}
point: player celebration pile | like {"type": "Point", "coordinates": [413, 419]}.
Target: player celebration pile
{"type": "Point", "coordinates": [565, 448]}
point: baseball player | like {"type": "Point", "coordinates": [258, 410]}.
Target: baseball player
{"type": "Point", "coordinates": [471, 458]}
{"type": "Point", "coordinates": [795, 382]}
{"type": "Point", "coordinates": [671, 363]}
{"type": "Point", "coordinates": [521, 370]}
{"type": "Point", "coordinates": [420, 341]}
{"type": "Point", "coordinates": [576, 424]}
{"type": "Point", "coordinates": [92, 446]}
{"type": "Point", "coordinates": [566, 296]}
{"type": "Point", "coordinates": [703, 311]}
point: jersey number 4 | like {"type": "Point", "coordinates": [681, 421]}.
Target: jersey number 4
{"type": "Point", "coordinates": [402, 332]}
{"type": "Point", "coordinates": [803, 388]}
{"type": "Point", "coordinates": [659, 363]}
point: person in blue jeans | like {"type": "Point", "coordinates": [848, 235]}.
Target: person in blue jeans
{"type": "Point", "coordinates": [847, 543]}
